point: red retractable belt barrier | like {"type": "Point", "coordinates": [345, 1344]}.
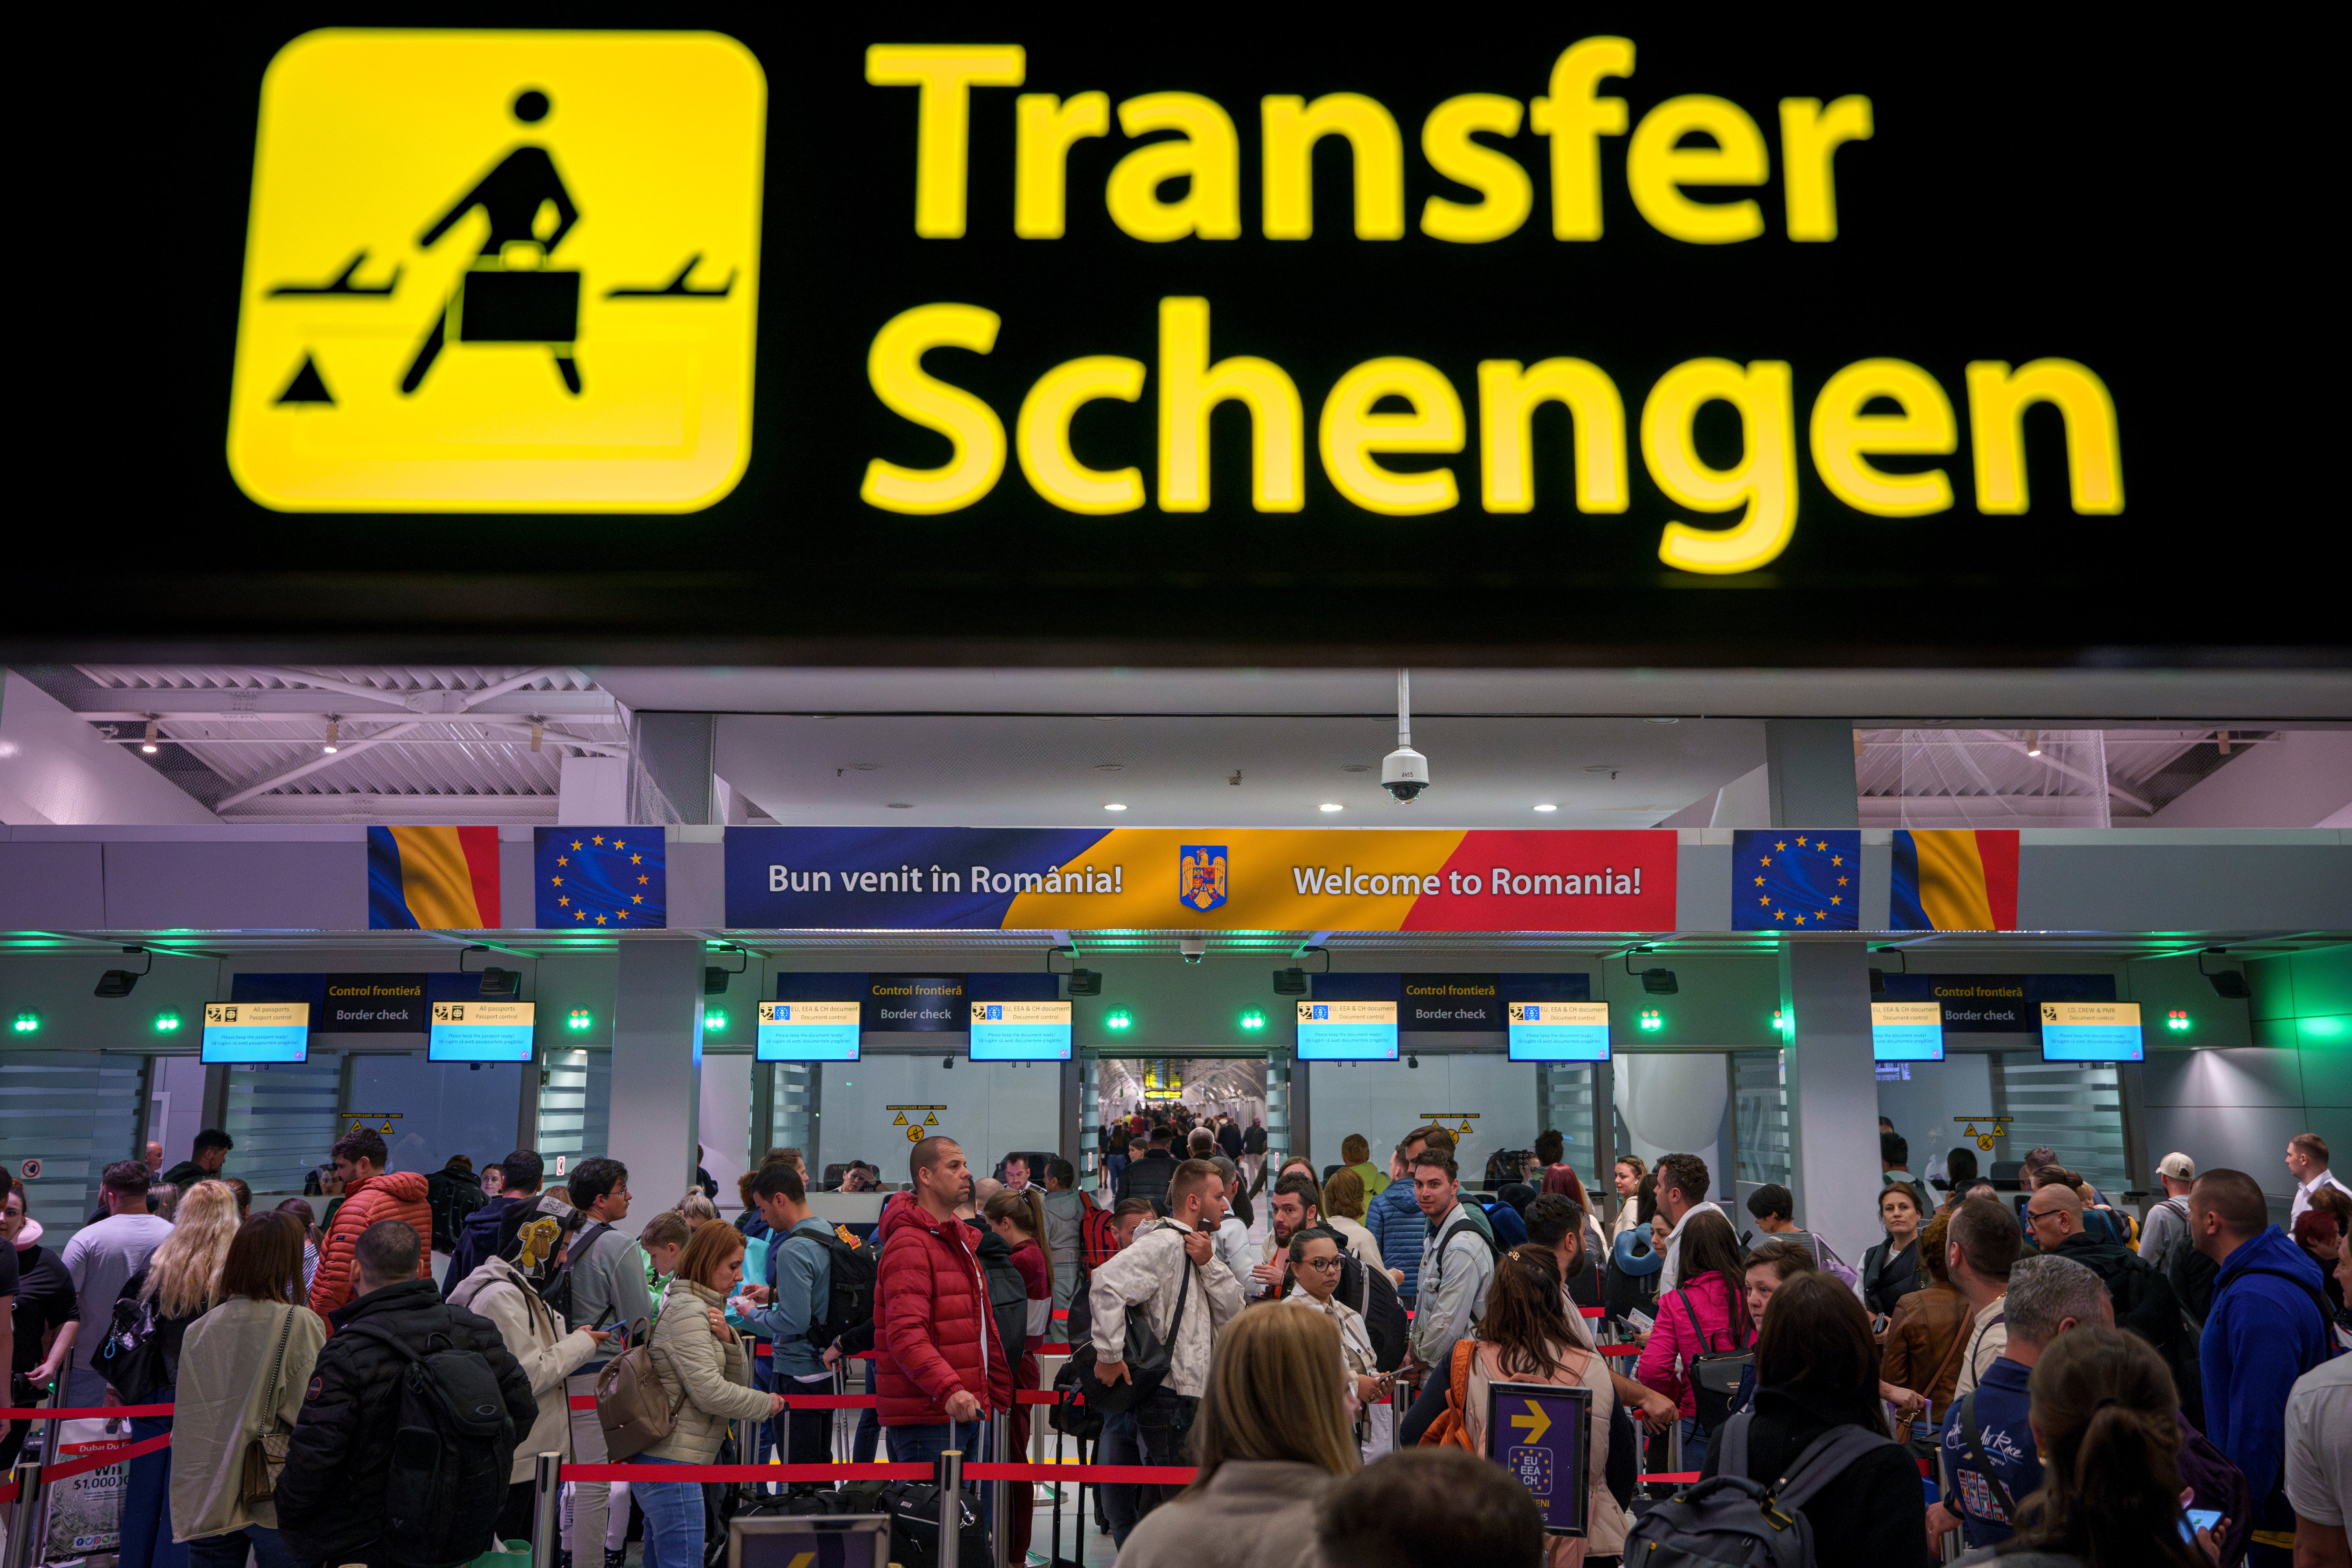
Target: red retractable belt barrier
{"type": "Point", "coordinates": [85, 1412]}
{"type": "Point", "coordinates": [100, 1461]}
{"type": "Point", "coordinates": [1156, 1475]}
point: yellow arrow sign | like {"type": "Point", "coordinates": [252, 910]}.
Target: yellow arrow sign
{"type": "Point", "coordinates": [1535, 1421]}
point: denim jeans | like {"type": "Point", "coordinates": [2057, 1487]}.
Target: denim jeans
{"type": "Point", "coordinates": [228, 1551]}
{"type": "Point", "coordinates": [1119, 1446]}
{"type": "Point", "coordinates": [868, 1437]}
{"type": "Point", "coordinates": [1153, 1433]}
{"type": "Point", "coordinates": [1693, 1444]}
{"type": "Point", "coordinates": [147, 1497]}
{"type": "Point", "coordinates": [673, 1511]}
{"type": "Point", "coordinates": [924, 1445]}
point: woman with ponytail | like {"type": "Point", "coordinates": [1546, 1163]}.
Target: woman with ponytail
{"type": "Point", "coordinates": [1019, 1218]}
{"type": "Point", "coordinates": [2104, 1416]}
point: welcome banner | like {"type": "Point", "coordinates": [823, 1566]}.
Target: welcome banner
{"type": "Point", "coordinates": [860, 878]}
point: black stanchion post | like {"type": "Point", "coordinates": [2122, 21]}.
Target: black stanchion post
{"type": "Point", "coordinates": [950, 1507]}
{"type": "Point", "coordinates": [547, 1509]}
{"type": "Point", "coordinates": [1000, 1492]}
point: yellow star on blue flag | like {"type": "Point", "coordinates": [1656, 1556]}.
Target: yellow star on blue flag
{"type": "Point", "coordinates": [1805, 878]}
{"type": "Point", "coordinates": [611, 877]}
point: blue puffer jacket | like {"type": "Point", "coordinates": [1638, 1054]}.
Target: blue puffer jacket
{"type": "Point", "coordinates": [2262, 1333]}
{"type": "Point", "coordinates": [1397, 1223]}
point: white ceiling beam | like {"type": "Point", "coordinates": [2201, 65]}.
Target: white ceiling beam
{"type": "Point", "coordinates": [217, 702]}
{"type": "Point", "coordinates": [2055, 766]}
{"type": "Point", "coordinates": [316, 764]}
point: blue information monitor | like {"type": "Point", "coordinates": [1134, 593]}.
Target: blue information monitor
{"type": "Point", "coordinates": [1559, 1031]}
{"type": "Point", "coordinates": [1021, 1031]}
{"type": "Point", "coordinates": [271, 1032]}
{"type": "Point", "coordinates": [1907, 1031]}
{"type": "Point", "coordinates": [1346, 1031]}
{"type": "Point", "coordinates": [2090, 1032]}
{"type": "Point", "coordinates": [808, 1031]}
{"type": "Point", "coordinates": [481, 1032]}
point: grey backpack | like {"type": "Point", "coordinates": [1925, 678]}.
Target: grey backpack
{"type": "Point", "coordinates": [1730, 1521]}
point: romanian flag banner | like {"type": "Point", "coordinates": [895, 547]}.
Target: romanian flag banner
{"type": "Point", "coordinates": [1955, 880]}
{"type": "Point", "coordinates": [1223, 878]}
{"type": "Point", "coordinates": [1786, 880]}
{"type": "Point", "coordinates": [612, 878]}
{"type": "Point", "coordinates": [433, 878]}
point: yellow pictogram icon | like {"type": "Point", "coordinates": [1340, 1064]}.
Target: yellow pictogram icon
{"type": "Point", "coordinates": [500, 272]}
{"type": "Point", "coordinates": [914, 1134]}
{"type": "Point", "coordinates": [900, 1120]}
{"type": "Point", "coordinates": [931, 1119]}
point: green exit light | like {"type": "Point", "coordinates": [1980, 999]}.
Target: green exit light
{"type": "Point", "coordinates": [1253, 1020]}
{"type": "Point", "coordinates": [167, 1023]}
{"type": "Point", "coordinates": [713, 1020]}
{"type": "Point", "coordinates": [2178, 1021]}
{"type": "Point", "coordinates": [28, 1023]}
{"type": "Point", "coordinates": [580, 1019]}
{"type": "Point", "coordinates": [1118, 1019]}
{"type": "Point", "coordinates": [1650, 1021]}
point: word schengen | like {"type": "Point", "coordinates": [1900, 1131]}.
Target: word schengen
{"type": "Point", "coordinates": [1185, 184]}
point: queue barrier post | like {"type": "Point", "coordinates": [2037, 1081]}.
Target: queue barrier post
{"type": "Point", "coordinates": [546, 1509]}
{"type": "Point", "coordinates": [1000, 1449]}
{"type": "Point", "coordinates": [28, 1503]}
{"type": "Point", "coordinates": [950, 1507]}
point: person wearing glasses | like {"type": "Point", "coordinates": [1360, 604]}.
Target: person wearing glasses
{"type": "Point", "coordinates": [1315, 1261]}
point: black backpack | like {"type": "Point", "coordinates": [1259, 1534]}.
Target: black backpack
{"type": "Point", "coordinates": [1373, 1294]}
{"type": "Point", "coordinates": [849, 1297]}
{"type": "Point", "coordinates": [1008, 1303]}
{"type": "Point", "coordinates": [452, 1451]}
{"type": "Point", "coordinates": [1436, 1271]}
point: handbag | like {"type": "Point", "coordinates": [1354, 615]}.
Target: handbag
{"type": "Point", "coordinates": [130, 1358]}
{"type": "Point", "coordinates": [1714, 1373]}
{"type": "Point", "coordinates": [1148, 1360]}
{"type": "Point", "coordinates": [265, 1454]}
{"type": "Point", "coordinates": [630, 1405]}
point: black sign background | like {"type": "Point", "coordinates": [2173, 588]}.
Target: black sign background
{"type": "Point", "coordinates": [2029, 192]}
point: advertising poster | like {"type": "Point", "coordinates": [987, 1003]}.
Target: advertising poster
{"type": "Point", "coordinates": [85, 1511]}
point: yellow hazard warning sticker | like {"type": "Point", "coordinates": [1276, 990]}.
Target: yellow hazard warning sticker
{"type": "Point", "coordinates": [500, 272]}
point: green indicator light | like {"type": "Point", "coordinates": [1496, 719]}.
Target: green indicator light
{"type": "Point", "coordinates": [1118, 1019]}
{"type": "Point", "coordinates": [1650, 1021]}
{"type": "Point", "coordinates": [1253, 1019]}
{"type": "Point", "coordinates": [713, 1019]}
{"type": "Point", "coordinates": [28, 1023]}
{"type": "Point", "coordinates": [580, 1019]}
{"type": "Point", "coordinates": [2178, 1021]}
{"type": "Point", "coordinates": [167, 1023]}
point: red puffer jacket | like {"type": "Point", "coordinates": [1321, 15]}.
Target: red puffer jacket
{"type": "Point", "coordinates": [388, 1195]}
{"type": "Point", "coordinates": [930, 1319]}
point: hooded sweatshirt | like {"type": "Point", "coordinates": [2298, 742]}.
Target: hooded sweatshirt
{"type": "Point", "coordinates": [535, 1337]}
{"type": "Point", "coordinates": [2262, 1333]}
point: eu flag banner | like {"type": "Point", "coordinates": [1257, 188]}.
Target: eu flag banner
{"type": "Point", "coordinates": [609, 878]}
{"type": "Point", "coordinates": [1785, 880]}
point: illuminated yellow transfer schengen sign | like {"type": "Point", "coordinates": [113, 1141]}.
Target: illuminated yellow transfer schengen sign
{"type": "Point", "coordinates": [500, 272]}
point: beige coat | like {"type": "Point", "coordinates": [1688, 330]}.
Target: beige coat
{"type": "Point", "coordinates": [1606, 1524]}
{"type": "Point", "coordinates": [224, 1402]}
{"type": "Point", "coordinates": [1254, 1513]}
{"type": "Point", "coordinates": [713, 1376]}
{"type": "Point", "coordinates": [534, 1336]}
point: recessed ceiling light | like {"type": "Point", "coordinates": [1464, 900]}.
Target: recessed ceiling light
{"type": "Point", "coordinates": [1115, 805]}
{"type": "Point", "coordinates": [898, 805]}
{"type": "Point", "coordinates": [864, 767]}
{"type": "Point", "coordinates": [1601, 767]}
{"type": "Point", "coordinates": [1110, 767]}
{"type": "Point", "coordinates": [1357, 768]}
{"type": "Point", "coordinates": [1330, 806]}
{"type": "Point", "coordinates": [1661, 721]}
{"type": "Point", "coordinates": [1547, 806]}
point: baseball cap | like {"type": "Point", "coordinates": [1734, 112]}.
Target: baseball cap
{"type": "Point", "coordinates": [2178, 1166]}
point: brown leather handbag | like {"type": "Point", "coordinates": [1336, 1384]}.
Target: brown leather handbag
{"type": "Point", "coordinates": [264, 1456]}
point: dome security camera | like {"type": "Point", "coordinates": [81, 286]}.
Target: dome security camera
{"type": "Point", "coordinates": [1404, 773]}
{"type": "Point", "coordinates": [1193, 948]}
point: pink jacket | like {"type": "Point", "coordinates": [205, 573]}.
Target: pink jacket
{"type": "Point", "coordinates": [1666, 1359]}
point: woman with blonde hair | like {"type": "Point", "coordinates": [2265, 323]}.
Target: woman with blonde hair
{"type": "Point", "coordinates": [1018, 1218]}
{"type": "Point", "coordinates": [697, 1207]}
{"type": "Point", "coordinates": [1270, 1438]}
{"type": "Point", "coordinates": [247, 1366]}
{"type": "Point", "coordinates": [705, 1371]}
{"type": "Point", "coordinates": [1344, 1202]}
{"type": "Point", "coordinates": [179, 1284]}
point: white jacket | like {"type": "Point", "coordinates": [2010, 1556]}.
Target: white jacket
{"type": "Point", "coordinates": [535, 1337]}
{"type": "Point", "coordinates": [1148, 1273]}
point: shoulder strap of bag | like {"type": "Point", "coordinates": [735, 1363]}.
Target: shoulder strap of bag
{"type": "Point", "coordinates": [1183, 1294]}
{"type": "Point", "coordinates": [1825, 1459]}
{"type": "Point", "coordinates": [1705, 1339]}
{"type": "Point", "coordinates": [381, 1336]}
{"type": "Point", "coordinates": [284, 1332]}
{"type": "Point", "coordinates": [1731, 1445]}
{"type": "Point", "coordinates": [1982, 1465]}
{"type": "Point", "coordinates": [2326, 1313]}
{"type": "Point", "coordinates": [1959, 1343]}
